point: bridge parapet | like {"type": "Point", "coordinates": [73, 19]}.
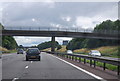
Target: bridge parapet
{"type": "Point", "coordinates": [71, 29]}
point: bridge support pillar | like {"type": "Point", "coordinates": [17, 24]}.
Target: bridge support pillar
{"type": "Point", "coordinates": [53, 44]}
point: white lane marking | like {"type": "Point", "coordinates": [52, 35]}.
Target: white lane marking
{"type": "Point", "coordinates": [31, 61]}
{"type": "Point", "coordinates": [93, 75]}
{"type": "Point", "coordinates": [15, 79]}
{"type": "Point", "coordinates": [26, 67]}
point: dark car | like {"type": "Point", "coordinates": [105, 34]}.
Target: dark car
{"type": "Point", "coordinates": [20, 51]}
{"type": "Point", "coordinates": [33, 53]}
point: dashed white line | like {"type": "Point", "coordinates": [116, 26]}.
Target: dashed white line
{"type": "Point", "coordinates": [15, 79]}
{"type": "Point", "coordinates": [26, 67]}
{"type": "Point", "coordinates": [93, 75]}
{"type": "Point", "coordinates": [31, 61]}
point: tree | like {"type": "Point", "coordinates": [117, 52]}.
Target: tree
{"type": "Point", "coordinates": [8, 41]}
{"type": "Point", "coordinates": [48, 44]}
{"type": "Point", "coordinates": [105, 25]}
{"type": "Point", "coordinates": [78, 43]}
{"type": "Point", "coordinates": [1, 26]}
{"type": "Point", "coordinates": [75, 43]}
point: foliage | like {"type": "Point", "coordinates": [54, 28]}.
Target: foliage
{"type": "Point", "coordinates": [75, 43]}
{"type": "Point", "coordinates": [108, 25]}
{"type": "Point", "coordinates": [8, 41]}
{"type": "Point", "coordinates": [110, 51]}
{"type": "Point", "coordinates": [48, 44]}
{"type": "Point", "coordinates": [1, 26]}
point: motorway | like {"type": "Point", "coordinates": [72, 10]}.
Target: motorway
{"type": "Point", "coordinates": [15, 67]}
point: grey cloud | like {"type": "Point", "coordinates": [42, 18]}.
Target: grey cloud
{"type": "Point", "coordinates": [29, 41]}
{"type": "Point", "coordinates": [22, 13]}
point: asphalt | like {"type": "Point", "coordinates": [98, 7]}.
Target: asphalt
{"type": "Point", "coordinates": [15, 67]}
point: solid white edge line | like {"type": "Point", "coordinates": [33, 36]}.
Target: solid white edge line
{"type": "Point", "coordinates": [15, 79]}
{"type": "Point", "coordinates": [93, 75]}
{"type": "Point", "coordinates": [27, 67]}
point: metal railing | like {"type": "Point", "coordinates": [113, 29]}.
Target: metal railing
{"type": "Point", "coordinates": [92, 60]}
{"type": "Point", "coordinates": [71, 29]}
{"type": "Point", "coordinates": [50, 29]}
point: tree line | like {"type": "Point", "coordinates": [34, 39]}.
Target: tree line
{"type": "Point", "coordinates": [48, 44]}
{"type": "Point", "coordinates": [44, 45]}
{"type": "Point", "coordinates": [8, 42]}
{"type": "Point", "coordinates": [108, 25]}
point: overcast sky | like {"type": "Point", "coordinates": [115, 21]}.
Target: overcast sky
{"type": "Point", "coordinates": [82, 15]}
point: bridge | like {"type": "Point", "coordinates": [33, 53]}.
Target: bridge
{"type": "Point", "coordinates": [80, 33]}
{"type": "Point", "coordinates": [59, 65]}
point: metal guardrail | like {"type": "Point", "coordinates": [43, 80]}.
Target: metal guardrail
{"type": "Point", "coordinates": [92, 59]}
{"type": "Point", "coordinates": [71, 29]}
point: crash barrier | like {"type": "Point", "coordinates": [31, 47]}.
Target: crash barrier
{"type": "Point", "coordinates": [92, 59]}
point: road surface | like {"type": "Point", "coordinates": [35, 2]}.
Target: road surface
{"type": "Point", "coordinates": [15, 67]}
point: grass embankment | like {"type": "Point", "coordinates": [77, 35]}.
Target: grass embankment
{"type": "Point", "coordinates": [110, 51]}
{"type": "Point", "coordinates": [48, 49]}
{"type": "Point", "coordinates": [4, 50]}
{"type": "Point", "coordinates": [63, 49]}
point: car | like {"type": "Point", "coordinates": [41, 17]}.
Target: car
{"type": "Point", "coordinates": [69, 51]}
{"type": "Point", "coordinates": [33, 53]}
{"type": "Point", "coordinates": [20, 51]}
{"type": "Point", "coordinates": [95, 53]}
